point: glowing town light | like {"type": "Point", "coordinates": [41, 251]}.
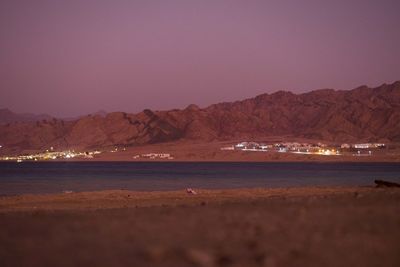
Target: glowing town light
{"type": "Point", "coordinates": [327, 152]}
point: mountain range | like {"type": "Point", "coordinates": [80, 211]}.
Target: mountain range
{"type": "Point", "coordinates": [358, 115]}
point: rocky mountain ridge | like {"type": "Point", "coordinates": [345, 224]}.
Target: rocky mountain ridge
{"type": "Point", "coordinates": [358, 115]}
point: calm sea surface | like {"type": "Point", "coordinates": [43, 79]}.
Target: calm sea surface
{"type": "Point", "coordinates": [53, 177]}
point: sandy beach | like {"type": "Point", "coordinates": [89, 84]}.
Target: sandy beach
{"type": "Point", "coordinates": [211, 151]}
{"type": "Point", "coordinates": [310, 226]}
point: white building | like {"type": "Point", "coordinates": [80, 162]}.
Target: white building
{"type": "Point", "coordinates": [362, 146]}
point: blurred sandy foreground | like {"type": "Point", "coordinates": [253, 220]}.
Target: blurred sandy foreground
{"type": "Point", "coordinates": [311, 226]}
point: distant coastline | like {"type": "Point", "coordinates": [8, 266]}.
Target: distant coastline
{"type": "Point", "coordinates": [361, 115]}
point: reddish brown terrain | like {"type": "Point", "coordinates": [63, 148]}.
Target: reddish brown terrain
{"type": "Point", "coordinates": [361, 114]}
{"type": "Point", "coordinates": [211, 151]}
{"type": "Point", "coordinates": [313, 226]}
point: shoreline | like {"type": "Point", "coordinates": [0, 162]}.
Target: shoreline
{"type": "Point", "coordinates": [115, 199]}
{"type": "Point", "coordinates": [347, 160]}
{"type": "Point", "coordinates": [186, 151]}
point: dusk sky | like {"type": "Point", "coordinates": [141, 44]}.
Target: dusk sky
{"type": "Point", "coordinates": [68, 58]}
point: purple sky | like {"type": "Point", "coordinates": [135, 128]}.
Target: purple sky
{"type": "Point", "coordinates": [73, 57]}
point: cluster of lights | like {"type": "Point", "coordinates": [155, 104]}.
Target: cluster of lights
{"type": "Point", "coordinates": [289, 147]}
{"type": "Point", "coordinates": [51, 155]}
{"type": "Point", "coordinates": [154, 156]}
{"type": "Point", "coordinates": [328, 152]}
{"type": "Point", "coordinates": [116, 149]}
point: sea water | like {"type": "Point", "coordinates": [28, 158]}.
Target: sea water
{"type": "Point", "coordinates": [56, 177]}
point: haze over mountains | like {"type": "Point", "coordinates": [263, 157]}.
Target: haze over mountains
{"type": "Point", "coordinates": [361, 114]}
{"type": "Point", "coordinates": [7, 116]}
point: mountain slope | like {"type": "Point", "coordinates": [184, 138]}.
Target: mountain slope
{"type": "Point", "coordinates": [361, 114]}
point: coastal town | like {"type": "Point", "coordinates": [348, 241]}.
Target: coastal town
{"type": "Point", "coordinates": [141, 154]}
{"type": "Point", "coordinates": [153, 156]}
{"type": "Point", "coordinates": [51, 154]}
{"type": "Point", "coordinates": [359, 149]}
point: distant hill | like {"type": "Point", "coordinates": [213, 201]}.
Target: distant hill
{"type": "Point", "coordinates": [7, 116]}
{"type": "Point", "coordinates": [101, 113]}
{"type": "Point", "coordinates": [361, 114]}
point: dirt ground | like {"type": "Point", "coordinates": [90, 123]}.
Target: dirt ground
{"type": "Point", "coordinates": [191, 151]}
{"type": "Point", "coordinates": [358, 226]}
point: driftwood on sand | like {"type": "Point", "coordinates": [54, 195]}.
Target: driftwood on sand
{"type": "Point", "coordinates": [382, 183]}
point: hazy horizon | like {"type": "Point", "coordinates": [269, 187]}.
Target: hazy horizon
{"type": "Point", "coordinates": [69, 58]}
{"type": "Point", "coordinates": [205, 106]}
